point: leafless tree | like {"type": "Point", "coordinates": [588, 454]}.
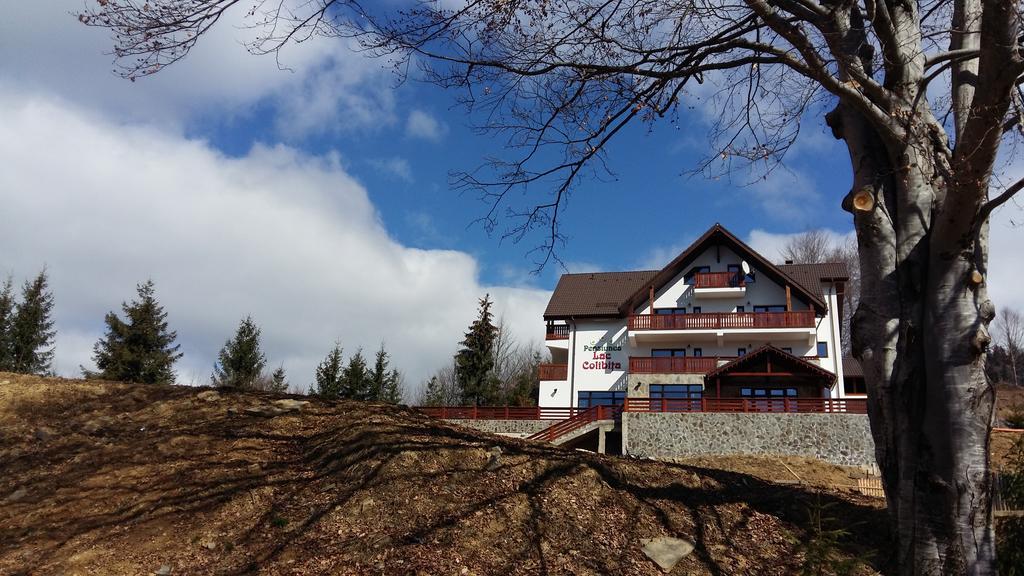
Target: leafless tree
{"type": "Point", "coordinates": [813, 246]}
{"type": "Point", "coordinates": [817, 246]}
{"type": "Point", "coordinates": [1010, 335]}
{"type": "Point", "coordinates": [924, 94]}
{"type": "Point", "coordinates": [516, 364]}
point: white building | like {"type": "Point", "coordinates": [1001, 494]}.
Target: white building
{"type": "Point", "coordinates": [718, 322]}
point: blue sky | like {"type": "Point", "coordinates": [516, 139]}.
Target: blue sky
{"type": "Point", "coordinates": [318, 200]}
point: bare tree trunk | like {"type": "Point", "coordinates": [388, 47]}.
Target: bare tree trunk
{"type": "Point", "coordinates": [930, 403]}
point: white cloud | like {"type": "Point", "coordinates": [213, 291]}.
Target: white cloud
{"type": "Point", "coordinates": [324, 88]}
{"type": "Point", "coordinates": [289, 238]}
{"type": "Point", "coordinates": [771, 244]}
{"type": "Point", "coordinates": [423, 125]}
{"type": "Point", "coordinates": [395, 167]}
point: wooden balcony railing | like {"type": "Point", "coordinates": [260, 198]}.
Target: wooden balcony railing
{"type": "Point", "coordinates": [557, 332]}
{"type": "Point", "coordinates": [553, 371]}
{"type": "Point", "coordinates": [718, 280]}
{"type": "Point", "coordinates": [742, 405]}
{"type": "Point", "coordinates": [692, 365]}
{"type": "Point", "coordinates": [720, 320]}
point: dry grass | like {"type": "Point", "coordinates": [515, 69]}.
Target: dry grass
{"type": "Point", "coordinates": [135, 477]}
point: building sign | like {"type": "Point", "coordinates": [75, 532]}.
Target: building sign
{"type": "Point", "coordinates": [601, 358]}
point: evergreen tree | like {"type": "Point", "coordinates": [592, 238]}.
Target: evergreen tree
{"type": "Point", "coordinates": [139, 348]}
{"type": "Point", "coordinates": [355, 378]}
{"type": "Point", "coordinates": [240, 362]}
{"type": "Point", "coordinates": [6, 319]}
{"type": "Point", "coordinates": [278, 381]}
{"type": "Point", "coordinates": [385, 382]}
{"type": "Point", "coordinates": [393, 388]}
{"type": "Point", "coordinates": [31, 331]}
{"type": "Point", "coordinates": [474, 363]}
{"type": "Point", "coordinates": [433, 396]}
{"type": "Point", "coordinates": [329, 374]}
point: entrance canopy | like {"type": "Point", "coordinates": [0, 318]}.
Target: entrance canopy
{"type": "Point", "coordinates": [769, 369]}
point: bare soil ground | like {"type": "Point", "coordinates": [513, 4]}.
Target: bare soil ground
{"type": "Point", "coordinates": [108, 478]}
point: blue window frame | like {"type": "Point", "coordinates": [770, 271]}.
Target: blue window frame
{"type": "Point", "coordinates": [694, 271]}
{"type": "Point", "coordinates": [670, 310]}
{"type": "Point", "coordinates": [768, 392]}
{"type": "Point", "coordinates": [676, 391]}
{"type": "Point", "coordinates": [770, 308]}
{"type": "Point", "coordinates": [696, 310]}
{"type": "Point", "coordinates": [698, 352]}
{"type": "Point", "coordinates": [823, 349]}
{"type": "Point", "coordinates": [668, 352]}
{"type": "Point", "coordinates": [741, 351]}
{"type": "Point", "coordinates": [740, 309]}
{"type": "Point", "coordinates": [610, 398]}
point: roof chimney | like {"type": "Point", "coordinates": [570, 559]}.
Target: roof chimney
{"type": "Point", "coordinates": [789, 261]}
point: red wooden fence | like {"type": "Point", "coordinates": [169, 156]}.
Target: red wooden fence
{"type": "Point", "coordinates": [735, 405]}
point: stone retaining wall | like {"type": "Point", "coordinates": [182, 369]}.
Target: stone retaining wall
{"type": "Point", "coordinates": [838, 438]}
{"type": "Point", "coordinates": [515, 427]}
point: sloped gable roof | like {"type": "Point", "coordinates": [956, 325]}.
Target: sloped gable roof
{"type": "Point", "coordinates": [810, 276]}
{"type": "Point", "coordinates": [718, 233]}
{"type": "Point", "coordinates": [766, 350]}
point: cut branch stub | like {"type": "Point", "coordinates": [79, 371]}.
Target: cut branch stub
{"type": "Point", "coordinates": [976, 278]}
{"type": "Point", "coordinates": [864, 200]}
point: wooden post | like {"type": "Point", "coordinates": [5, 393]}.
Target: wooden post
{"type": "Point", "coordinates": [474, 411]}
{"type": "Point", "coordinates": [789, 299]}
{"type": "Point", "coordinates": [652, 299]}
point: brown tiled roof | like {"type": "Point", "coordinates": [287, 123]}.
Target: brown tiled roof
{"type": "Point", "coordinates": [769, 349]}
{"type": "Point", "coordinates": [594, 294]}
{"type": "Point", "coordinates": [852, 368]}
{"type": "Point", "coordinates": [810, 276]}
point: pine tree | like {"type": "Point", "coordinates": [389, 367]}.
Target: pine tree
{"type": "Point", "coordinates": [433, 396]}
{"type": "Point", "coordinates": [31, 331]}
{"type": "Point", "coordinates": [241, 361]}
{"type": "Point", "coordinates": [356, 378]}
{"type": "Point", "coordinates": [278, 381]}
{"type": "Point", "coordinates": [6, 319]}
{"type": "Point", "coordinates": [393, 388]}
{"type": "Point", "coordinates": [329, 374]}
{"type": "Point", "coordinates": [139, 348]}
{"type": "Point", "coordinates": [474, 363]}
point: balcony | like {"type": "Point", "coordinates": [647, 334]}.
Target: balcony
{"type": "Point", "coordinates": [685, 365]}
{"type": "Point", "coordinates": [719, 284]}
{"type": "Point", "coordinates": [673, 365]}
{"type": "Point", "coordinates": [557, 332]}
{"type": "Point", "coordinates": [722, 320]}
{"type": "Point", "coordinates": [553, 371]}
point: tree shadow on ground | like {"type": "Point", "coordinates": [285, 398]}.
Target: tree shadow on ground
{"type": "Point", "coordinates": [363, 488]}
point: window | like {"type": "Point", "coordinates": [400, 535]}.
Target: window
{"type": "Point", "coordinates": [771, 308]}
{"type": "Point", "coordinates": [740, 309]}
{"type": "Point", "coordinates": [668, 352]}
{"type": "Point", "coordinates": [676, 391]}
{"type": "Point", "coordinates": [698, 352]}
{"type": "Point", "coordinates": [696, 310]}
{"type": "Point", "coordinates": [787, 350]}
{"type": "Point", "coordinates": [855, 386]}
{"type": "Point", "coordinates": [741, 351]}
{"type": "Point", "coordinates": [735, 274]}
{"type": "Point", "coordinates": [823, 349]}
{"type": "Point", "coordinates": [590, 399]}
{"type": "Point", "coordinates": [694, 271]}
{"type": "Point", "coordinates": [670, 310]}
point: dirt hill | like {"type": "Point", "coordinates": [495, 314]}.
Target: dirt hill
{"type": "Point", "coordinates": [107, 478]}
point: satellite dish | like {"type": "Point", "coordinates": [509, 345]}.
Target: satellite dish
{"type": "Point", "coordinates": [745, 267]}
